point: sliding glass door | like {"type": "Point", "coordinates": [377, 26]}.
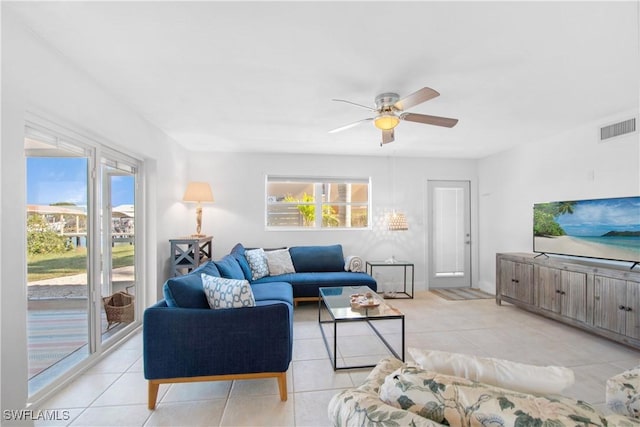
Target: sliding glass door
{"type": "Point", "coordinates": [82, 259]}
{"type": "Point", "coordinates": [118, 281]}
{"type": "Point", "coordinates": [58, 212]}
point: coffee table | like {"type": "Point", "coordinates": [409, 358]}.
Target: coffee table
{"type": "Point", "coordinates": [336, 301]}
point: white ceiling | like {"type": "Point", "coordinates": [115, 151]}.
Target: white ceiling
{"type": "Point", "coordinates": [260, 76]}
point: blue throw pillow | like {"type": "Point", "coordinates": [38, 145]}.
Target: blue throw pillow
{"type": "Point", "coordinates": [187, 291]}
{"type": "Point", "coordinates": [311, 259]}
{"type": "Point", "coordinates": [229, 268]}
{"type": "Point", "coordinates": [239, 253]}
{"type": "Point", "coordinates": [209, 268]}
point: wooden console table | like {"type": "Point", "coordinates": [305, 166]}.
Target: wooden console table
{"type": "Point", "coordinates": [599, 298]}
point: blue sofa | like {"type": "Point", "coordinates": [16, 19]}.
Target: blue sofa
{"type": "Point", "coordinates": [186, 341]}
{"type": "Point", "coordinates": [315, 267]}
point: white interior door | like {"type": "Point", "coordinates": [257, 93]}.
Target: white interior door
{"type": "Point", "coordinates": [449, 234]}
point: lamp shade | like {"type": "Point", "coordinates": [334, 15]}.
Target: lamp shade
{"type": "Point", "coordinates": [397, 222]}
{"type": "Point", "coordinates": [198, 192]}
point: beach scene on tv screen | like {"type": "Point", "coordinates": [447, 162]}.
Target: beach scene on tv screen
{"type": "Point", "coordinates": [604, 228]}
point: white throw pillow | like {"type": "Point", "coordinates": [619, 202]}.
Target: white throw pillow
{"type": "Point", "coordinates": [502, 373]}
{"type": "Point", "coordinates": [279, 262]}
{"type": "Point", "coordinates": [353, 263]}
{"type": "Point", "coordinates": [257, 263]}
{"type": "Point", "coordinates": [227, 293]}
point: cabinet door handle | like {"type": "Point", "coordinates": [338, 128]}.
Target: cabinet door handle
{"type": "Point", "coordinates": [621, 307]}
{"type": "Point", "coordinates": [563, 293]}
{"type": "Point", "coordinates": [628, 309]}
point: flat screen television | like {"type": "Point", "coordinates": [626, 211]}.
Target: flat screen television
{"type": "Point", "coordinates": [600, 228]}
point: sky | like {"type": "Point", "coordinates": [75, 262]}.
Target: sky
{"type": "Point", "coordinates": [597, 217]}
{"type": "Point", "coordinates": [64, 179]}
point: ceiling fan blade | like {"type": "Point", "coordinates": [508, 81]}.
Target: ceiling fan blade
{"type": "Point", "coordinates": [429, 120]}
{"type": "Point", "coordinates": [350, 125]}
{"type": "Point", "coordinates": [387, 136]}
{"type": "Point", "coordinates": [353, 103]}
{"type": "Point", "coordinates": [417, 97]}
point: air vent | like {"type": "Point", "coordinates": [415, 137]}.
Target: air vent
{"type": "Point", "coordinates": [617, 129]}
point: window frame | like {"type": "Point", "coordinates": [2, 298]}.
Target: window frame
{"type": "Point", "coordinates": [317, 182]}
{"type": "Point", "coordinates": [96, 149]}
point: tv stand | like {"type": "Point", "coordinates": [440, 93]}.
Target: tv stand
{"type": "Point", "coordinates": [601, 299]}
{"type": "Point", "coordinates": [544, 254]}
{"type": "Point", "coordinates": [634, 264]}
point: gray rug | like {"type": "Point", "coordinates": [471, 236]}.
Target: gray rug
{"type": "Point", "coordinates": [461, 294]}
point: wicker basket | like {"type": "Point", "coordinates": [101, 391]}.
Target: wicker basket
{"type": "Point", "coordinates": [119, 308]}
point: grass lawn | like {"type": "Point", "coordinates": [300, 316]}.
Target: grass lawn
{"type": "Point", "coordinates": [48, 266]}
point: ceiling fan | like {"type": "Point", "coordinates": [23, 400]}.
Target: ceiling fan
{"type": "Point", "coordinates": [390, 109]}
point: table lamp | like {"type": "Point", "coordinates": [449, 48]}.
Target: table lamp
{"type": "Point", "coordinates": [199, 192]}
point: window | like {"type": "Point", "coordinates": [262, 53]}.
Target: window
{"type": "Point", "coordinates": [317, 203]}
{"type": "Point", "coordinates": [83, 262]}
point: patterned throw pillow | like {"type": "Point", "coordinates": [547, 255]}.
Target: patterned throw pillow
{"type": "Point", "coordinates": [279, 262]}
{"type": "Point", "coordinates": [227, 293]}
{"type": "Point", "coordinates": [457, 401]}
{"type": "Point", "coordinates": [258, 263]}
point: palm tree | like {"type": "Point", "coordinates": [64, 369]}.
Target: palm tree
{"type": "Point", "coordinates": [564, 208]}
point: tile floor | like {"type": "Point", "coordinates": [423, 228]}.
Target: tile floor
{"type": "Point", "coordinates": [114, 391]}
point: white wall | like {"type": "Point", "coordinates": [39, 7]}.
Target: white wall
{"type": "Point", "coordinates": [238, 185]}
{"type": "Point", "coordinates": [504, 187]}
{"type": "Point", "coordinates": [570, 166]}
{"type": "Point", "coordinates": [36, 79]}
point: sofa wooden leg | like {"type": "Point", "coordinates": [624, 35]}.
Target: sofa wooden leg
{"type": "Point", "coordinates": [153, 393]}
{"type": "Point", "coordinates": [282, 385]}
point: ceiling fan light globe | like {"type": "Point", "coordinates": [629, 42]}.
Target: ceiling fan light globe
{"type": "Point", "coordinates": [386, 121]}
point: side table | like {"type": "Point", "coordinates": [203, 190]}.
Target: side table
{"type": "Point", "coordinates": [405, 266]}
{"type": "Point", "coordinates": [187, 253]}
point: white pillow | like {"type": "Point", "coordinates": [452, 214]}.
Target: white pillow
{"type": "Point", "coordinates": [502, 373]}
{"type": "Point", "coordinates": [353, 263]}
{"type": "Point", "coordinates": [227, 293]}
{"type": "Point", "coordinates": [257, 263]}
{"type": "Point", "coordinates": [279, 262]}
